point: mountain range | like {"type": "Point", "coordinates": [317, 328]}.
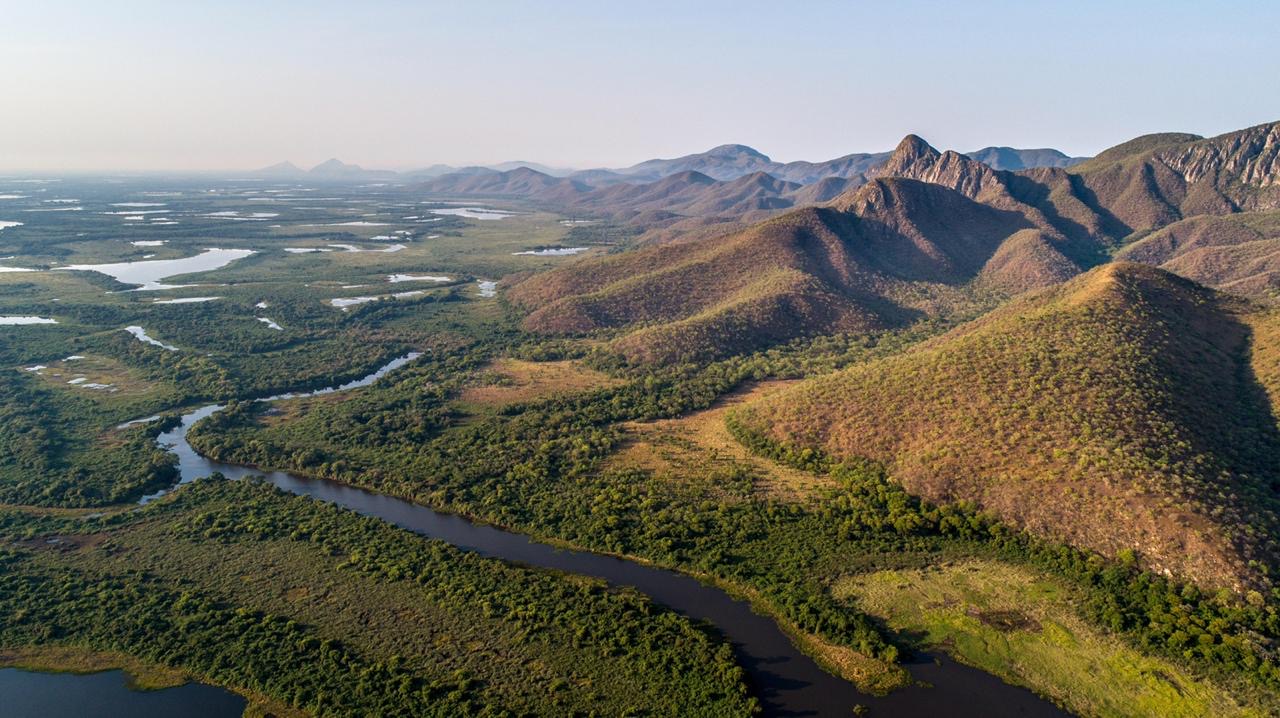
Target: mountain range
{"type": "Point", "coordinates": [927, 231]}
{"type": "Point", "coordinates": [1110, 401]}
{"type": "Point", "coordinates": [725, 162]}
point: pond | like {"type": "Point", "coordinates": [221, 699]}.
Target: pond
{"type": "Point", "coordinates": [481, 213]}
{"type": "Point", "coordinates": [553, 251]}
{"type": "Point", "coordinates": [20, 321]}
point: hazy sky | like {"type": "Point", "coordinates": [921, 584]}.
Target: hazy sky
{"type": "Point", "coordinates": [225, 85]}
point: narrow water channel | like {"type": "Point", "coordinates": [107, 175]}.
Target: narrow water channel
{"type": "Point", "coordinates": [787, 682]}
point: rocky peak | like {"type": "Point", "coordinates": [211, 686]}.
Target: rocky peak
{"type": "Point", "coordinates": [916, 159]}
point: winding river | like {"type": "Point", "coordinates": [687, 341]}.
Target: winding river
{"type": "Point", "coordinates": [787, 682]}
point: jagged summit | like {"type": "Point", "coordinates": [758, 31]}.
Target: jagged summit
{"type": "Point", "coordinates": [912, 146]}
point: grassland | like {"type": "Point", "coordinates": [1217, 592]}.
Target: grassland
{"type": "Point", "coordinates": [1021, 626]}
{"type": "Point", "coordinates": [507, 381]}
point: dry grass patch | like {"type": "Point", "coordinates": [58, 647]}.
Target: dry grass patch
{"type": "Point", "coordinates": [700, 442]}
{"type": "Point", "coordinates": [96, 377]}
{"type": "Point", "coordinates": [510, 381]}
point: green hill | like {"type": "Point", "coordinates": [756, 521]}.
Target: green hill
{"type": "Point", "coordinates": [1125, 411]}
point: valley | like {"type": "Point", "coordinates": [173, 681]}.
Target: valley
{"type": "Point", "coordinates": [941, 435]}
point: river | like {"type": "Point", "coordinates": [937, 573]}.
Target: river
{"type": "Point", "coordinates": [787, 682]}
{"type": "Point", "coordinates": [107, 695]}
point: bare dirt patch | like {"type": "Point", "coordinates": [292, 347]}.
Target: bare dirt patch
{"type": "Point", "coordinates": [510, 381]}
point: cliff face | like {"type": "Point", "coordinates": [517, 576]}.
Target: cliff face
{"type": "Point", "coordinates": [1249, 157]}
{"type": "Point", "coordinates": [1148, 189]}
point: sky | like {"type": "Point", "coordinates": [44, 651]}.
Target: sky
{"type": "Point", "coordinates": [165, 86]}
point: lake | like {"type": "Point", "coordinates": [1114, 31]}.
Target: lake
{"type": "Point", "coordinates": [147, 274]}
{"type": "Point", "coordinates": [20, 321]}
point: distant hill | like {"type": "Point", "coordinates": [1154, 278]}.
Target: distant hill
{"type": "Point", "coordinates": [685, 194]}
{"type": "Point", "coordinates": [544, 169]}
{"type": "Point", "coordinates": [723, 162]}
{"type": "Point", "coordinates": [334, 169]}
{"type": "Point", "coordinates": [1117, 412]}
{"type": "Point", "coordinates": [728, 162]}
{"type": "Point", "coordinates": [329, 170]}
{"type": "Point", "coordinates": [521, 182]}
{"type": "Point", "coordinates": [282, 169]}
{"type": "Point", "coordinates": [1238, 253]}
{"type": "Point", "coordinates": [1008, 158]}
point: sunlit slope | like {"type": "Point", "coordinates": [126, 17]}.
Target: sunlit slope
{"type": "Point", "coordinates": [1120, 411]}
{"type": "Point", "coordinates": [1238, 253]}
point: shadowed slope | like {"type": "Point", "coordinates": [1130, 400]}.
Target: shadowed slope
{"type": "Point", "coordinates": [1118, 412]}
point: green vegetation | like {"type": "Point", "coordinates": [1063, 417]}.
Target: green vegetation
{"type": "Point", "coordinates": [182, 585]}
{"type": "Point", "coordinates": [536, 467]}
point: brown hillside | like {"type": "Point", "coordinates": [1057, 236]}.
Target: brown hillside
{"type": "Point", "coordinates": [1118, 411]}
{"type": "Point", "coordinates": [888, 251]}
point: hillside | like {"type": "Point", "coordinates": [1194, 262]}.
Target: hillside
{"type": "Point", "coordinates": [687, 194]}
{"type": "Point", "coordinates": [929, 228]}
{"type": "Point", "coordinates": [1238, 253]}
{"type": "Point", "coordinates": [893, 250]}
{"type": "Point", "coordinates": [1119, 412]}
